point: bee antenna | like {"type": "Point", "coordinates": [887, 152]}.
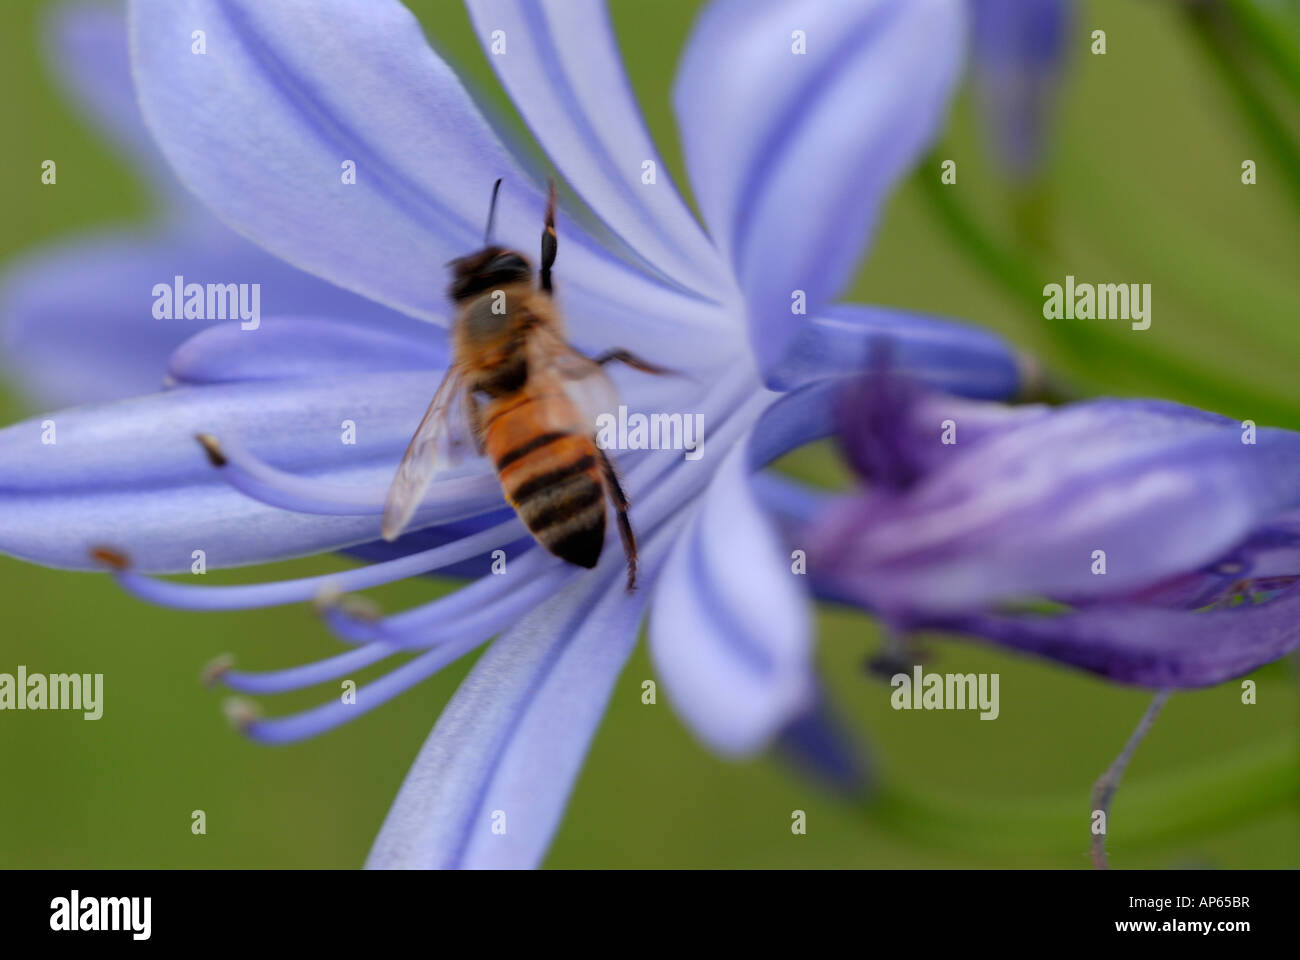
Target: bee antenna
{"type": "Point", "coordinates": [492, 213]}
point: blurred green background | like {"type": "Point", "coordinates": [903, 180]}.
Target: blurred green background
{"type": "Point", "coordinates": [1144, 186]}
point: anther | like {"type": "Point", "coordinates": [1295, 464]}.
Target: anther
{"type": "Point", "coordinates": [216, 455]}
{"type": "Point", "coordinates": [216, 669]}
{"type": "Point", "coordinates": [108, 557]}
{"type": "Point", "coordinates": [241, 713]}
{"type": "Point", "coordinates": [1038, 385]}
{"type": "Point", "coordinates": [331, 598]}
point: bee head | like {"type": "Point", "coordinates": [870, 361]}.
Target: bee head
{"type": "Point", "coordinates": [488, 269]}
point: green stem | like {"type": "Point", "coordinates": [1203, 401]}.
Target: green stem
{"type": "Point", "coordinates": [1159, 810]}
{"type": "Point", "coordinates": [1229, 65]}
{"type": "Point", "coordinates": [1023, 279]}
{"type": "Point", "coordinates": [1104, 790]}
{"type": "Point", "coordinates": [1270, 37]}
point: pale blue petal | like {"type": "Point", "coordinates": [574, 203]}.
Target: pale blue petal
{"type": "Point", "coordinates": [131, 476]}
{"type": "Point", "coordinates": [292, 91]}
{"type": "Point", "coordinates": [78, 318]}
{"type": "Point", "coordinates": [565, 75]}
{"type": "Point", "coordinates": [939, 352]}
{"type": "Point", "coordinates": [793, 155]}
{"type": "Point", "coordinates": [86, 48]}
{"type": "Point", "coordinates": [508, 747]}
{"type": "Point", "coordinates": [294, 347]}
{"type": "Point", "coordinates": [730, 627]}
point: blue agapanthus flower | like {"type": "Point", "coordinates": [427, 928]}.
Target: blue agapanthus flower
{"type": "Point", "coordinates": [329, 134]}
{"type": "Point", "coordinates": [1166, 539]}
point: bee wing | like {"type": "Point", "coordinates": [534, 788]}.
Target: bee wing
{"type": "Point", "coordinates": [583, 379]}
{"type": "Point", "coordinates": [441, 442]}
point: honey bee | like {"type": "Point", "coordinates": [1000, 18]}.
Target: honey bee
{"type": "Point", "coordinates": [517, 391]}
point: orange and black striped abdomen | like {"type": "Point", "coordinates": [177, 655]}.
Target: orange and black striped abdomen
{"type": "Point", "coordinates": [550, 476]}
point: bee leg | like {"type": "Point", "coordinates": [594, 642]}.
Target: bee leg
{"type": "Point", "coordinates": [619, 499]}
{"type": "Point", "coordinates": [632, 360]}
{"type": "Point", "coordinates": [549, 242]}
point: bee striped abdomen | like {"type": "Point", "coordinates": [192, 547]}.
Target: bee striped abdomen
{"type": "Point", "coordinates": [551, 478]}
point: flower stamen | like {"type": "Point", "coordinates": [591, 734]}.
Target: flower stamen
{"type": "Point", "coordinates": [113, 559]}
{"type": "Point", "coordinates": [192, 596]}
{"type": "Point", "coordinates": [451, 499]}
